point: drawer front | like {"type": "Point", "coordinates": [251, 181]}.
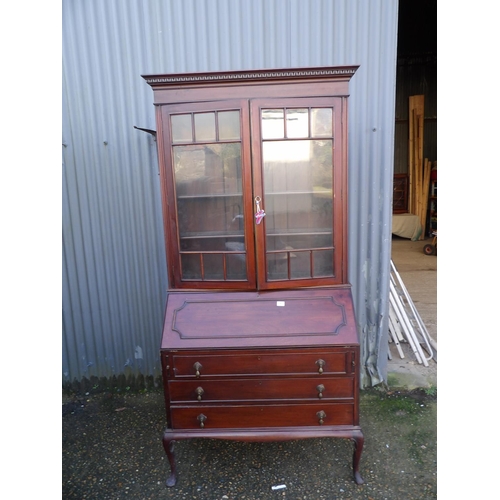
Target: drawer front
{"type": "Point", "coordinates": [314, 388]}
{"type": "Point", "coordinates": [257, 416]}
{"type": "Point", "coordinates": [279, 363]}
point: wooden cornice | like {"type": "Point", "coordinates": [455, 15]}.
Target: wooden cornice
{"type": "Point", "coordinates": [229, 77]}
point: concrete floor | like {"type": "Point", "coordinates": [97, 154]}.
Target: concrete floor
{"type": "Point", "coordinates": [419, 275]}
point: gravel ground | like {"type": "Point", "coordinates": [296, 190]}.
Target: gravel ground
{"type": "Point", "coordinates": [111, 445]}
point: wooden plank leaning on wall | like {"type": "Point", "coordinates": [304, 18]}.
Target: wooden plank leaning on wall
{"type": "Point", "coordinates": [419, 169]}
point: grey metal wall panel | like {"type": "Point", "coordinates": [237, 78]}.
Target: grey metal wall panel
{"type": "Point", "coordinates": [114, 276]}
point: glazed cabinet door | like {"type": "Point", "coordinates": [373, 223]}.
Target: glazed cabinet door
{"type": "Point", "coordinates": [206, 176]}
{"type": "Point", "coordinates": [298, 154]}
{"type": "Point", "coordinates": [254, 192]}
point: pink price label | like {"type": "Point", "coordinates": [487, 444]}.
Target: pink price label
{"type": "Point", "coordinates": [259, 216]}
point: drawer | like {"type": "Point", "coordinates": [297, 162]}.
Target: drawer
{"type": "Point", "coordinates": [278, 363]}
{"type": "Point", "coordinates": [313, 388]}
{"type": "Point", "coordinates": [256, 416]}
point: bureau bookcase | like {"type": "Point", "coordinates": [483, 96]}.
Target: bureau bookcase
{"type": "Point", "coordinates": [259, 340]}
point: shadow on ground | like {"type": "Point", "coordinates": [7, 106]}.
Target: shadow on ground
{"type": "Point", "coordinates": [112, 450]}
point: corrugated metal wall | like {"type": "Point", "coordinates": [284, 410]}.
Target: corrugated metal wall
{"type": "Point", "coordinates": [114, 271]}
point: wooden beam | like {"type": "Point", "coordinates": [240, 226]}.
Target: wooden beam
{"type": "Point", "coordinates": [425, 196]}
{"type": "Point", "coordinates": [411, 151]}
{"type": "Point", "coordinates": [415, 152]}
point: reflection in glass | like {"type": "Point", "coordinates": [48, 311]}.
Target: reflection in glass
{"type": "Point", "coordinates": [277, 268]}
{"type": "Point", "coordinates": [204, 127]}
{"type": "Point", "coordinates": [298, 189]}
{"type": "Point", "coordinates": [210, 214]}
{"type": "Point", "coordinates": [297, 123]}
{"type": "Point", "coordinates": [321, 122]}
{"type": "Point", "coordinates": [213, 265]}
{"type": "Point", "coordinates": [300, 266]}
{"type": "Point", "coordinates": [236, 266]}
{"type": "Point", "coordinates": [191, 266]}
{"type": "Point", "coordinates": [229, 125]}
{"type": "Point", "coordinates": [207, 169]}
{"type": "Point", "coordinates": [181, 128]}
{"type": "Point", "coordinates": [273, 124]}
{"type": "Point", "coordinates": [323, 263]}
{"type": "Point", "coordinates": [303, 165]}
{"type": "Point", "coordinates": [218, 266]}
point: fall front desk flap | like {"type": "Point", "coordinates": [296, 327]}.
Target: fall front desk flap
{"type": "Point", "coordinates": [307, 317]}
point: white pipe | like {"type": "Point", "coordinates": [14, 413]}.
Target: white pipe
{"type": "Point", "coordinates": [423, 330]}
{"type": "Point", "coordinates": [403, 318]}
{"type": "Point", "coordinates": [395, 338]}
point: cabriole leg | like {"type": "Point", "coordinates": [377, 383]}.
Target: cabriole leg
{"type": "Point", "coordinates": [359, 440]}
{"type": "Point", "coordinates": [168, 444]}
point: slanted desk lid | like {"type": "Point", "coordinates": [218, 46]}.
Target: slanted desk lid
{"type": "Point", "coordinates": [271, 319]}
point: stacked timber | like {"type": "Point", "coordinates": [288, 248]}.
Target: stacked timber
{"type": "Point", "coordinates": [419, 168]}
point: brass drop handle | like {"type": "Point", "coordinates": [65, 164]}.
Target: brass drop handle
{"type": "Point", "coordinates": [320, 388]}
{"type": "Point", "coordinates": [199, 393]}
{"type": "Point", "coordinates": [197, 367]}
{"type": "Point", "coordinates": [320, 364]}
{"type": "Point", "coordinates": [202, 419]}
{"type": "Point", "coordinates": [321, 416]}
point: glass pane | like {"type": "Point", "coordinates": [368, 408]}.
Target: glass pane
{"type": "Point", "coordinates": [321, 122]}
{"type": "Point", "coordinates": [273, 124]}
{"type": "Point", "coordinates": [298, 194]}
{"type": "Point", "coordinates": [304, 166]}
{"type": "Point", "coordinates": [300, 265]}
{"type": "Point", "coordinates": [181, 128]}
{"type": "Point", "coordinates": [229, 125]}
{"type": "Point", "coordinates": [213, 265]}
{"type": "Point", "coordinates": [191, 266]}
{"type": "Point", "coordinates": [236, 266]}
{"type": "Point", "coordinates": [297, 123]}
{"type": "Point", "coordinates": [298, 262]}
{"type": "Point", "coordinates": [204, 127]}
{"type": "Point", "coordinates": [323, 263]}
{"type": "Point", "coordinates": [277, 266]}
{"type": "Point", "coordinates": [209, 220]}
{"type": "Point", "coordinates": [207, 169]}
{"type": "Point", "coordinates": [210, 209]}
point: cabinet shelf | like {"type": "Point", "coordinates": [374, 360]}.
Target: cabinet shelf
{"type": "Point", "coordinates": [316, 192]}
{"type": "Point", "coordinates": [208, 196]}
{"type": "Point", "coordinates": [299, 232]}
{"type": "Point", "coordinates": [274, 234]}
{"type": "Point", "coordinates": [211, 234]}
